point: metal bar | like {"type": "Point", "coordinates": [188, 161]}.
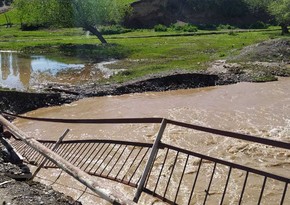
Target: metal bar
{"type": "Point", "coordinates": [137, 144]}
{"type": "Point", "coordinates": [173, 167]}
{"type": "Point", "coordinates": [53, 149]}
{"type": "Point", "coordinates": [72, 155]}
{"type": "Point", "coordinates": [230, 164]}
{"type": "Point", "coordinates": [78, 153]}
{"type": "Point", "coordinates": [62, 148]}
{"type": "Point", "coordinates": [89, 153]}
{"type": "Point", "coordinates": [244, 187]}
{"type": "Point", "coordinates": [111, 158]}
{"type": "Point", "coordinates": [144, 155]}
{"type": "Point", "coordinates": [102, 161]}
{"type": "Point", "coordinates": [124, 163]}
{"type": "Point", "coordinates": [226, 186]}
{"type": "Point", "coordinates": [208, 188]}
{"type": "Point", "coordinates": [98, 188]}
{"type": "Point", "coordinates": [81, 155]}
{"type": "Point", "coordinates": [182, 175]}
{"type": "Point", "coordinates": [249, 138]}
{"type": "Point", "coordinates": [159, 176]}
{"type": "Point", "coordinates": [133, 161]}
{"type": "Point", "coordinates": [38, 157]}
{"type": "Point", "coordinates": [262, 190]}
{"type": "Point", "coordinates": [150, 161]}
{"type": "Point", "coordinates": [95, 156]}
{"type": "Point", "coordinates": [195, 180]}
{"type": "Point", "coordinates": [284, 194]}
{"type": "Point", "coordinates": [91, 121]}
{"type": "Point", "coordinates": [67, 149]}
{"type": "Point", "coordinates": [121, 154]}
{"type": "Point", "coordinates": [100, 157]}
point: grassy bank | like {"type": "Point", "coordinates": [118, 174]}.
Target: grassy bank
{"type": "Point", "coordinates": [141, 52]}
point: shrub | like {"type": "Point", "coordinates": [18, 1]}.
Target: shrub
{"type": "Point", "coordinates": [259, 25]}
{"type": "Point", "coordinates": [227, 26]}
{"type": "Point", "coordinates": [160, 28]}
{"type": "Point", "coordinates": [184, 27]}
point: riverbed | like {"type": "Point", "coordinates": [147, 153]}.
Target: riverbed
{"type": "Point", "coordinates": [260, 109]}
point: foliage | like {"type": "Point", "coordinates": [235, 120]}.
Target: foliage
{"type": "Point", "coordinates": [160, 28]}
{"type": "Point", "coordinates": [184, 27]}
{"type": "Point", "coordinates": [223, 27]}
{"type": "Point", "coordinates": [259, 25]}
{"type": "Point", "coordinates": [278, 8]}
{"type": "Point", "coordinates": [72, 13]}
{"type": "Point", "coordinates": [281, 10]}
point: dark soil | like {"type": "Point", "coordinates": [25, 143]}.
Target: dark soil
{"type": "Point", "coordinates": [15, 192]}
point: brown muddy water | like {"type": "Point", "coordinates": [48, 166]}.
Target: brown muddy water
{"type": "Point", "coordinates": [21, 72]}
{"type": "Point", "coordinates": [260, 109]}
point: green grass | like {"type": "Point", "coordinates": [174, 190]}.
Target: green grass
{"type": "Point", "coordinates": [141, 52]}
{"type": "Point", "coordinates": [12, 15]}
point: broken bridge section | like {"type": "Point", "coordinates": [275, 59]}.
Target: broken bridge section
{"type": "Point", "coordinates": [170, 173]}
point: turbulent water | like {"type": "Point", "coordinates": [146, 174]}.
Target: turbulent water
{"type": "Point", "coordinates": [253, 108]}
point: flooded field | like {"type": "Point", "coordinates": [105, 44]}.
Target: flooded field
{"type": "Point", "coordinates": [257, 109]}
{"type": "Point", "coordinates": [21, 72]}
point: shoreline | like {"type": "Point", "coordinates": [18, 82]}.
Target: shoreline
{"type": "Point", "coordinates": [219, 73]}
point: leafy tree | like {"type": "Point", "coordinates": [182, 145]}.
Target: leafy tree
{"type": "Point", "coordinates": [278, 8]}
{"type": "Point", "coordinates": [80, 13]}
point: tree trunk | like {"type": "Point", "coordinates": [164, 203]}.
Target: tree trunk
{"type": "Point", "coordinates": [94, 31]}
{"type": "Point", "coordinates": [284, 29]}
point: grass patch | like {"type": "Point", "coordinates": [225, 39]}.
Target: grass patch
{"type": "Point", "coordinates": [141, 52]}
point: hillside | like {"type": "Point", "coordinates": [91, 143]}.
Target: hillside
{"type": "Point", "coordinates": [147, 13]}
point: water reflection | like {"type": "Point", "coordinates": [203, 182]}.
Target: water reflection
{"type": "Point", "coordinates": [23, 72]}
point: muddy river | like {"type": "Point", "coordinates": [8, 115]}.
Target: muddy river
{"type": "Point", "coordinates": [258, 109]}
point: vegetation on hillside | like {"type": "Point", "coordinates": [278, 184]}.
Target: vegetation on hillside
{"type": "Point", "coordinates": [280, 9]}
{"type": "Point", "coordinates": [70, 13]}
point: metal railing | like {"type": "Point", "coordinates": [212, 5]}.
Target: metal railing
{"type": "Point", "coordinates": [135, 164]}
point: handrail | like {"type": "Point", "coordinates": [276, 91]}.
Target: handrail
{"type": "Point", "coordinates": [78, 174]}
{"type": "Point", "coordinates": [235, 135]}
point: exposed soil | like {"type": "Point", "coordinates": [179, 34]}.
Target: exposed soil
{"type": "Point", "coordinates": [15, 192]}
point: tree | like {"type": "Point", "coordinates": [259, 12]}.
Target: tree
{"type": "Point", "coordinates": [280, 9]}
{"type": "Point", "coordinates": [78, 13]}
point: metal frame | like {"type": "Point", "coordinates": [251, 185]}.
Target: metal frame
{"type": "Point", "coordinates": [141, 183]}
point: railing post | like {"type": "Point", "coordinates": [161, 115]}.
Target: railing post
{"type": "Point", "coordinates": [150, 161]}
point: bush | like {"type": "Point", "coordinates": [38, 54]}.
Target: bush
{"type": "Point", "coordinates": [113, 29]}
{"type": "Point", "coordinates": [259, 25]}
{"type": "Point", "coordinates": [223, 27]}
{"type": "Point", "coordinates": [160, 28]}
{"type": "Point", "coordinates": [184, 27]}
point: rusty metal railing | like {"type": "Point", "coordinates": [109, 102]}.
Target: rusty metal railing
{"type": "Point", "coordinates": [178, 176]}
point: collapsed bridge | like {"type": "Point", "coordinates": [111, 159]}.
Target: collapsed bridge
{"type": "Point", "coordinates": [151, 167]}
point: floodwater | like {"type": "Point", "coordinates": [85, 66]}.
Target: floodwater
{"type": "Point", "coordinates": [260, 109]}
{"type": "Point", "coordinates": [27, 72]}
